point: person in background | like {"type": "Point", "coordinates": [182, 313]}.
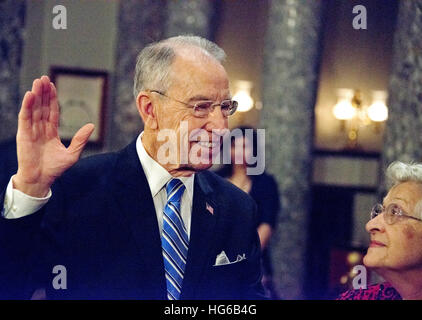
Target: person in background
{"type": "Point", "coordinates": [263, 189]}
{"type": "Point", "coordinates": [395, 250]}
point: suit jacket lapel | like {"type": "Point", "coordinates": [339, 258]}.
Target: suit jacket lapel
{"type": "Point", "coordinates": [201, 236]}
{"type": "Point", "coordinates": [135, 204]}
{"type": "Point", "coordinates": [137, 207]}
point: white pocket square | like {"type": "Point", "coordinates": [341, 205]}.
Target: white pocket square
{"type": "Point", "coordinates": [222, 259]}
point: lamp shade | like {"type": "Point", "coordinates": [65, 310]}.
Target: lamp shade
{"type": "Point", "coordinates": [378, 111]}
{"type": "Point", "coordinates": [344, 109]}
{"type": "Point", "coordinates": [243, 95]}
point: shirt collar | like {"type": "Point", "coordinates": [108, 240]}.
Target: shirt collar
{"type": "Point", "coordinates": [156, 175]}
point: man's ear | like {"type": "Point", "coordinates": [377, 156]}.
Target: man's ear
{"type": "Point", "coordinates": [146, 109]}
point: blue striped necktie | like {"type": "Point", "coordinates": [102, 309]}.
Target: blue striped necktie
{"type": "Point", "coordinates": [174, 240]}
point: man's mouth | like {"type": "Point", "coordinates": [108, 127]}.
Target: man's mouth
{"type": "Point", "coordinates": [207, 144]}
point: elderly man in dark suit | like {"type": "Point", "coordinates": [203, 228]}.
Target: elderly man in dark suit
{"type": "Point", "coordinates": [148, 222]}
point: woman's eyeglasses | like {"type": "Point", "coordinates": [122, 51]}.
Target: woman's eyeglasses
{"type": "Point", "coordinates": [392, 213]}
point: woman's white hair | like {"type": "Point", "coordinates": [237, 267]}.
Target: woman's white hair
{"type": "Point", "coordinates": [399, 172]}
{"type": "Point", "coordinates": [154, 61]}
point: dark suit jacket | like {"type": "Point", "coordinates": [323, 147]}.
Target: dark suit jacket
{"type": "Point", "coordinates": [102, 226]}
{"type": "Point", "coordinates": [8, 277]}
{"type": "Point", "coordinates": [8, 161]}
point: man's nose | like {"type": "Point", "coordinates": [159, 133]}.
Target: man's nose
{"type": "Point", "coordinates": [217, 121]}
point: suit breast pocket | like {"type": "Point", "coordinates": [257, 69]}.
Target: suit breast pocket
{"type": "Point", "coordinates": [224, 281]}
{"type": "Point", "coordinates": [230, 272]}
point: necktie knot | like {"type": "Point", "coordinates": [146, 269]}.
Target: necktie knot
{"type": "Point", "coordinates": [175, 189]}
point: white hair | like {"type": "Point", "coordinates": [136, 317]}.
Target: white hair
{"type": "Point", "coordinates": [399, 172]}
{"type": "Point", "coordinates": [154, 61]}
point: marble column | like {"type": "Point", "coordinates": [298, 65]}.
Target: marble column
{"type": "Point", "coordinates": [12, 14]}
{"type": "Point", "coordinates": [403, 131]}
{"type": "Point", "coordinates": [140, 22]}
{"type": "Point", "coordinates": [189, 17]}
{"type": "Point", "coordinates": [291, 61]}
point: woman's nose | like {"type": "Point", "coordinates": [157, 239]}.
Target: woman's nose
{"type": "Point", "coordinates": [376, 224]}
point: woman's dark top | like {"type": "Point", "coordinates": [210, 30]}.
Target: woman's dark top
{"type": "Point", "coordinates": [264, 191]}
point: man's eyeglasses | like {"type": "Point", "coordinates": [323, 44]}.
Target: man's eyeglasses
{"type": "Point", "coordinates": [204, 108]}
{"type": "Point", "coordinates": [391, 214]}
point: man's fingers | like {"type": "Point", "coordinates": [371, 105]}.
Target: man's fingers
{"type": "Point", "coordinates": [36, 106]}
{"type": "Point", "coordinates": [54, 115]}
{"type": "Point", "coordinates": [37, 92]}
{"type": "Point", "coordinates": [46, 90]}
{"type": "Point", "coordinates": [53, 118]}
{"type": "Point", "coordinates": [26, 110]}
{"type": "Point", "coordinates": [25, 114]}
{"type": "Point", "coordinates": [80, 139]}
{"type": "Point", "coordinates": [45, 100]}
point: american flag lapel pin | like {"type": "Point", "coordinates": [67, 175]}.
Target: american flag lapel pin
{"type": "Point", "coordinates": [209, 208]}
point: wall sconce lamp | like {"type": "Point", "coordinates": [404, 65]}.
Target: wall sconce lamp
{"type": "Point", "coordinates": [351, 111]}
{"type": "Point", "coordinates": [243, 95]}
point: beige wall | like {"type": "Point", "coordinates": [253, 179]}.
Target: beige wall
{"type": "Point", "coordinates": [356, 59]}
{"type": "Point", "coordinates": [241, 34]}
{"type": "Point", "coordinates": [351, 58]}
{"type": "Point", "coordinates": [88, 42]}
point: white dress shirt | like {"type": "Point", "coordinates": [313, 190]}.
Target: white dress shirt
{"type": "Point", "coordinates": [17, 204]}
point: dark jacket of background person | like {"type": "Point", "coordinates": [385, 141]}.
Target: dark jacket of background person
{"type": "Point", "coordinates": [8, 161]}
{"type": "Point", "coordinates": [101, 225]}
{"type": "Point", "coordinates": [10, 280]}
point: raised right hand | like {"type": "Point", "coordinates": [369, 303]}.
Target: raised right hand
{"type": "Point", "coordinates": [42, 157]}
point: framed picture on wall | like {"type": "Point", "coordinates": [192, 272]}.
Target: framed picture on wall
{"type": "Point", "coordinates": [82, 99]}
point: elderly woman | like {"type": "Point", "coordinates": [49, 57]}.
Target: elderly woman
{"type": "Point", "coordinates": [395, 251]}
